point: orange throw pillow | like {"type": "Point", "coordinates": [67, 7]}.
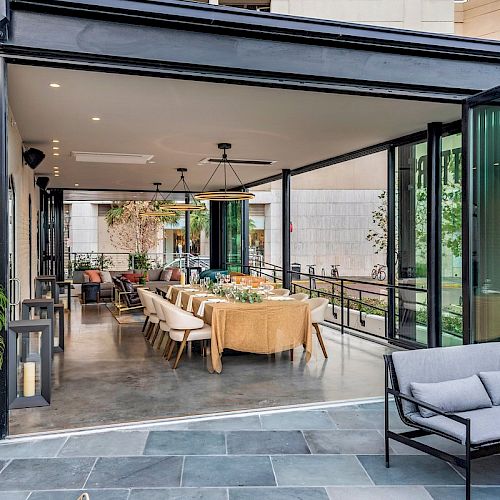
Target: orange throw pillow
{"type": "Point", "coordinates": [94, 276]}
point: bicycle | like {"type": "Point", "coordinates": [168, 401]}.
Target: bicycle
{"type": "Point", "coordinates": [378, 272]}
{"type": "Point", "coordinates": [334, 273]}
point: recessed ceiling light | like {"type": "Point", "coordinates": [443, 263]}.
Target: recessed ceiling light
{"type": "Point", "coordinates": [76, 184]}
{"type": "Point", "coordinates": [96, 118]}
{"type": "Point", "coordinates": [56, 175]}
{"type": "Point", "coordinates": [151, 161]}
{"type": "Point", "coordinates": [460, 1]}
{"type": "Point", "coordinates": [56, 168]}
{"type": "Point", "coordinates": [55, 147]}
{"type": "Point", "coordinates": [54, 85]}
{"type": "Point", "coordinates": [55, 141]}
{"type": "Point", "coordinates": [55, 154]}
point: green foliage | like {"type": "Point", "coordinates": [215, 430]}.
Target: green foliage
{"type": "Point", "coordinates": [4, 306]}
{"type": "Point", "coordinates": [139, 260]}
{"type": "Point", "coordinates": [199, 222]}
{"type": "Point", "coordinates": [87, 261]}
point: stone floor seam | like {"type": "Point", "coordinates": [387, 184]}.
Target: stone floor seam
{"type": "Point", "coordinates": [90, 472]}
{"type": "Point", "coordinates": [365, 471]}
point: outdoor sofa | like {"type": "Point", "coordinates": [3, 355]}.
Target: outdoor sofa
{"type": "Point", "coordinates": [452, 392]}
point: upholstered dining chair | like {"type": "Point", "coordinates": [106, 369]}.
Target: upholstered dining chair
{"type": "Point", "coordinates": [299, 296]}
{"type": "Point", "coordinates": [283, 292]}
{"type": "Point", "coordinates": [184, 327]}
{"type": "Point", "coordinates": [140, 292]}
{"type": "Point", "coordinates": [163, 325]}
{"type": "Point", "coordinates": [318, 307]}
{"type": "Point", "coordinates": [154, 321]}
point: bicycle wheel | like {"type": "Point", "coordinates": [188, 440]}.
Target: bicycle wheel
{"type": "Point", "coordinates": [374, 274]}
{"type": "Point", "coordinates": [382, 275]}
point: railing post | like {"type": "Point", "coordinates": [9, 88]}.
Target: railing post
{"type": "Point", "coordinates": [285, 226]}
{"type": "Point", "coordinates": [342, 307]}
{"type": "Point", "coordinates": [390, 330]}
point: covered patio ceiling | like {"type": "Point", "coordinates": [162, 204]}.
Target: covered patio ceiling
{"type": "Point", "coordinates": [180, 122]}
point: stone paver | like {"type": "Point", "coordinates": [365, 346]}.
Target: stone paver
{"type": "Point", "coordinates": [311, 454]}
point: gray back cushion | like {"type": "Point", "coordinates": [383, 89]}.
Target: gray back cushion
{"type": "Point", "coordinates": [452, 395]}
{"type": "Point", "coordinates": [443, 363]}
{"type": "Point", "coordinates": [491, 381]}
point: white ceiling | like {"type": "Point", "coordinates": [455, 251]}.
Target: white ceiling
{"type": "Point", "coordinates": [180, 123]}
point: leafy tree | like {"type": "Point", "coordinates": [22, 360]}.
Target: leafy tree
{"type": "Point", "coordinates": [129, 231]}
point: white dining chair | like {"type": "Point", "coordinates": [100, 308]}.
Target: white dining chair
{"type": "Point", "coordinates": [154, 321]}
{"type": "Point", "coordinates": [282, 292]}
{"type": "Point", "coordinates": [145, 311]}
{"type": "Point", "coordinates": [163, 325]}
{"type": "Point", "coordinates": [318, 307]}
{"type": "Point", "coordinates": [299, 296]}
{"type": "Point", "coordinates": [183, 327]}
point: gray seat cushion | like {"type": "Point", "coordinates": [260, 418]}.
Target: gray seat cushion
{"type": "Point", "coordinates": [443, 363]}
{"type": "Point", "coordinates": [452, 396]}
{"type": "Point", "coordinates": [484, 425]}
{"type": "Point", "coordinates": [491, 381]}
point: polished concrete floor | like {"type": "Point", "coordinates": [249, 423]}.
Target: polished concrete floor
{"type": "Point", "coordinates": [332, 453]}
{"type": "Point", "coordinates": [109, 374]}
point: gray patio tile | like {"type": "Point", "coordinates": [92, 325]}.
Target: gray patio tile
{"type": "Point", "coordinates": [297, 420]}
{"type": "Point", "coordinates": [3, 463]}
{"type": "Point", "coordinates": [45, 474]}
{"type": "Point", "coordinates": [378, 493]}
{"type": "Point", "coordinates": [228, 471]}
{"type": "Point", "coordinates": [346, 442]}
{"type": "Point", "coordinates": [14, 495]}
{"type": "Point", "coordinates": [266, 443]}
{"type": "Point", "coordinates": [250, 423]}
{"type": "Point", "coordinates": [485, 471]}
{"type": "Point", "coordinates": [105, 444]}
{"type": "Point", "coordinates": [278, 494]}
{"type": "Point", "coordinates": [136, 472]}
{"type": "Point", "coordinates": [364, 419]}
{"type": "Point", "coordinates": [185, 443]}
{"type": "Point", "coordinates": [74, 494]}
{"type": "Point", "coordinates": [180, 494]}
{"type": "Point", "coordinates": [318, 470]}
{"type": "Point", "coordinates": [41, 448]}
{"type": "Point", "coordinates": [410, 469]}
{"type": "Point", "coordinates": [458, 492]}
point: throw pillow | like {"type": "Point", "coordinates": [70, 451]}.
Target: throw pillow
{"type": "Point", "coordinates": [105, 277]}
{"type": "Point", "coordinates": [166, 275]}
{"type": "Point", "coordinates": [127, 284]}
{"type": "Point", "coordinates": [452, 395]}
{"type": "Point", "coordinates": [94, 276]}
{"type": "Point", "coordinates": [133, 277]}
{"type": "Point", "coordinates": [491, 381]}
{"type": "Point", "coordinates": [176, 274]}
{"type": "Point", "coordinates": [154, 274]}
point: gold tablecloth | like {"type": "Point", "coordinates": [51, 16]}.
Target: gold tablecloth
{"type": "Point", "coordinates": [261, 328]}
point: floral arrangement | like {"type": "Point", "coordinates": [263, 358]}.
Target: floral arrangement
{"type": "Point", "coordinates": [239, 295]}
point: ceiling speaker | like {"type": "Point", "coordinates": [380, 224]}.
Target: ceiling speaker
{"type": "Point", "coordinates": [33, 157]}
{"type": "Point", "coordinates": [42, 182]}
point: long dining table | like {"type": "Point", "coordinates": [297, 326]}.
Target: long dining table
{"type": "Point", "coordinates": [274, 325]}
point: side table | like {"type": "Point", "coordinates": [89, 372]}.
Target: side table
{"type": "Point", "coordinates": [90, 292]}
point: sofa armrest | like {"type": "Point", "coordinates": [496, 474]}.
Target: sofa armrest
{"type": "Point", "coordinates": [423, 404]}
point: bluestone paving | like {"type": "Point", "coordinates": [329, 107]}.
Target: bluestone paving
{"type": "Point", "coordinates": [378, 493]}
{"type": "Point", "coordinates": [345, 442]}
{"type": "Point", "coordinates": [228, 471]}
{"type": "Point", "coordinates": [266, 443]}
{"type": "Point", "coordinates": [134, 472]}
{"type": "Point", "coordinates": [42, 448]}
{"type": "Point", "coordinates": [185, 443]}
{"type": "Point", "coordinates": [319, 470]}
{"type": "Point", "coordinates": [458, 492]}
{"type": "Point", "coordinates": [278, 494]}
{"type": "Point", "coordinates": [119, 443]}
{"type": "Point", "coordinates": [180, 494]}
{"type": "Point", "coordinates": [309, 454]}
{"type": "Point", "coordinates": [410, 469]}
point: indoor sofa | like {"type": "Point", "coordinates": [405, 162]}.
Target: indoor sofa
{"type": "Point", "coordinates": [452, 392]}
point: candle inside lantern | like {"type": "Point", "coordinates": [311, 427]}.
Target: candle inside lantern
{"type": "Point", "coordinates": [28, 379]}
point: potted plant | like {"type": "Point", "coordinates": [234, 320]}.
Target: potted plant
{"type": "Point", "coordinates": [4, 305]}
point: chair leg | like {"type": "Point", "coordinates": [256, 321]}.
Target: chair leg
{"type": "Point", "coordinates": [145, 324]}
{"type": "Point", "coordinates": [155, 334]}
{"type": "Point", "coordinates": [149, 331]}
{"type": "Point", "coordinates": [291, 354]}
{"type": "Point", "coordinates": [320, 339]}
{"type": "Point", "coordinates": [468, 472]}
{"type": "Point", "coordinates": [171, 350]}
{"type": "Point", "coordinates": [181, 348]}
{"type": "Point", "coordinates": [159, 340]}
{"type": "Point", "coordinates": [167, 345]}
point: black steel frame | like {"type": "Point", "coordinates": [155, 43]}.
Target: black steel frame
{"type": "Point", "coordinates": [407, 438]}
{"type": "Point", "coordinates": [285, 225]}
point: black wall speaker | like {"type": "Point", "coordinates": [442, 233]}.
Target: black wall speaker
{"type": "Point", "coordinates": [42, 182]}
{"type": "Point", "coordinates": [33, 157]}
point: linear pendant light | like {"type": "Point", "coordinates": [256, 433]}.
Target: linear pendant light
{"type": "Point", "coordinates": [157, 200]}
{"type": "Point", "coordinates": [224, 195]}
{"type": "Point", "coordinates": [185, 207]}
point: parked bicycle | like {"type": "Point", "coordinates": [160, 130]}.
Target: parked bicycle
{"type": "Point", "coordinates": [378, 272]}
